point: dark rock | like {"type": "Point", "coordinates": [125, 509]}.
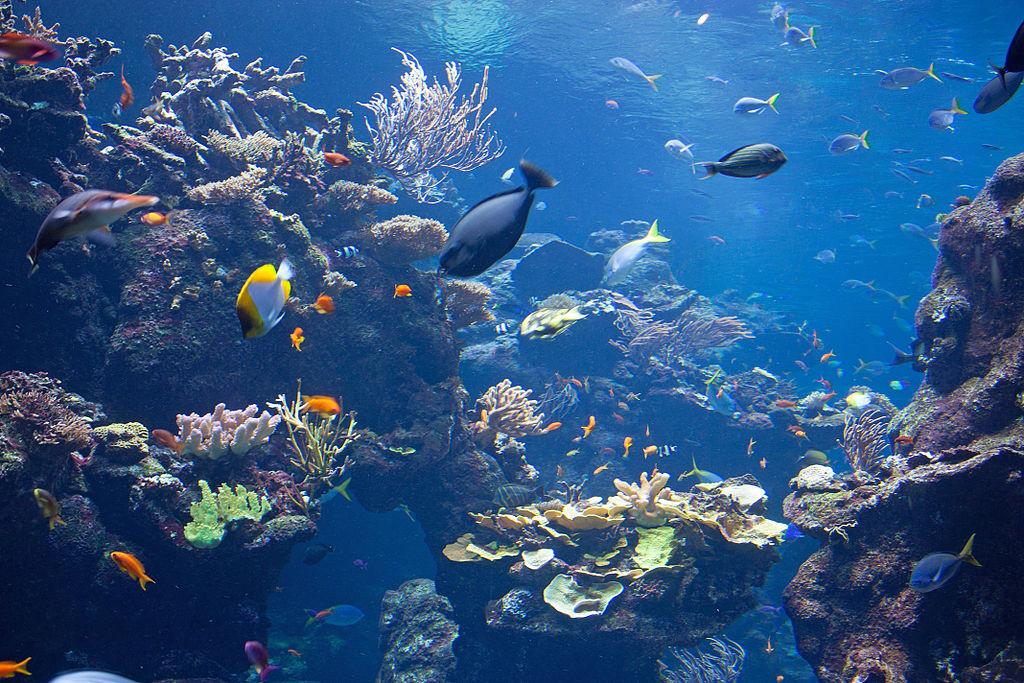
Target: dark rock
{"type": "Point", "coordinates": [417, 635]}
{"type": "Point", "coordinates": [557, 266]}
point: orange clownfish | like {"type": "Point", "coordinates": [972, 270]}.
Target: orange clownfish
{"type": "Point", "coordinates": [154, 218]}
{"type": "Point", "coordinates": [402, 290]}
{"type": "Point", "coordinates": [626, 443]}
{"type": "Point", "coordinates": [130, 564]}
{"type": "Point", "coordinates": [324, 305]}
{"type": "Point", "coordinates": [297, 339]}
{"type": "Point", "coordinates": [552, 427]}
{"type": "Point", "coordinates": [165, 438]}
{"type": "Point", "coordinates": [589, 427]}
{"type": "Point", "coordinates": [127, 98]}
{"type": "Point", "coordinates": [828, 356]}
{"type": "Point", "coordinates": [602, 468]}
{"type": "Point", "coordinates": [325, 405]}
{"type": "Point", "coordinates": [8, 669]}
{"type": "Point", "coordinates": [336, 159]}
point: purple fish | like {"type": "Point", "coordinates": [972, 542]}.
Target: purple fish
{"type": "Point", "coordinates": [258, 657]}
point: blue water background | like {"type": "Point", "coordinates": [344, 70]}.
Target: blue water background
{"type": "Point", "coordinates": [550, 78]}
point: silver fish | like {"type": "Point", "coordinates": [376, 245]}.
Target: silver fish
{"type": "Point", "coordinates": [630, 67]}
{"type": "Point", "coordinates": [753, 105]}
{"type": "Point", "coordinates": [847, 142]}
{"type": "Point", "coordinates": [625, 257]}
{"type": "Point", "coordinates": [942, 119]}
{"type": "Point", "coordinates": [89, 212]}
{"type": "Point", "coordinates": [906, 76]}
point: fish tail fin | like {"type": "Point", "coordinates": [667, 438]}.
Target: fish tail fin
{"type": "Point", "coordinates": [285, 270]}
{"type": "Point", "coordinates": [902, 300]}
{"type": "Point", "coordinates": [965, 554]}
{"type": "Point", "coordinates": [693, 472]}
{"type": "Point", "coordinates": [771, 102]}
{"type": "Point", "coordinates": [872, 243]}
{"type": "Point", "coordinates": [864, 139]}
{"type": "Point", "coordinates": [342, 488]}
{"type": "Point", "coordinates": [956, 108]}
{"type": "Point", "coordinates": [931, 72]}
{"type": "Point", "coordinates": [785, 21]}
{"type": "Point", "coordinates": [20, 666]}
{"type": "Point", "coordinates": [535, 175]}
{"type": "Point", "coordinates": [142, 581]}
{"type": "Point", "coordinates": [33, 259]}
{"type": "Point", "coordinates": [653, 235]}
{"type": "Point", "coordinates": [650, 79]}
{"type": "Point", "coordinates": [810, 37]}
{"type": "Point", "coordinates": [934, 242]}
{"type": "Point", "coordinates": [267, 670]}
{"type": "Point", "coordinates": [710, 166]}
{"type": "Point", "coordinates": [1002, 74]}
{"type": "Point", "coordinates": [872, 283]}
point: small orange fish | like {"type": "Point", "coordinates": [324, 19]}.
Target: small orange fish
{"type": "Point", "coordinates": [325, 405]}
{"type": "Point", "coordinates": [828, 356]}
{"type": "Point", "coordinates": [769, 649]}
{"type": "Point", "coordinates": [324, 305]}
{"type": "Point", "coordinates": [8, 668]}
{"type": "Point", "coordinates": [165, 438]}
{"type": "Point", "coordinates": [626, 443]}
{"type": "Point", "coordinates": [902, 439]}
{"type": "Point", "coordinates": [763, 463]}
{"type": "Point", "coordinates": [602, 468]}
{"type": "Point", "coordinates": [650, 450]}
{"type": "Point", "coordinates": [402, 290]}
{"type": "Point", "coordinates": [589, 427]}
{"type": "Point", "coordinates": [750, 447]}
{"type": "Point", "coordinates": [127, 98]}
{"type": "Point", "coordinates": [716, 239]}
{"type": "Point", "coordinates": [622, 406]}
{"type": "Point", "coordinates": [793, 428]}
{"type": "Point", "coordinates": [483, 415]}
{"type": "Point", "coordinates": [785, 404]}
{"type": "Point", "coordinates": [294, 653]}
{"type": "Point", "coordinates": [552, 427]}
{"type": "Point", "coordinates": [611, 104]}
{"type": "Point", "coordinates": [336, 159]}
{"type": "Point", "coordinates": [618, 418]}
{"type": "Point", "coordinates": [800, 434]}
{"type": "Point", "coordinates": [297, 339]}
{"type": "Point", "coordinates": [815, 342]}
{"type": "Point", "coordinates": [559, 472]}
{"type": "Point", "coordinates": [154, 218]}
{"type": "Point", "coordinates": [130, 565]}
{"type": "Point", "coordinates": [576, 383]}
{"type": "Point", "coordinates": [647, 432]}
{"type": "Point", "coordinates": [49, 505]}
{"type": "Point", "coordinates": [779, 678]}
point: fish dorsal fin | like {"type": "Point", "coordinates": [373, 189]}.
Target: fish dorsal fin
{"type": "Point", "coordinates": [733, 152]}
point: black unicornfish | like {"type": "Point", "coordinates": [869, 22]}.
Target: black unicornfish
{"type": "Point", "coordinates": [998, 92]}
{"type": "Point", "coordinates": [1014, 56]}
{"type": "Point", "coordinates": [85, 213]}
{"type": "Point", "coordinates": [491, 229]}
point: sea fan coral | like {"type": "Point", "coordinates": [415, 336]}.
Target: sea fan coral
{"type": "Point", "coordinates": [404, 239]}
{"type": "Point", "coordinates": [866, 440]}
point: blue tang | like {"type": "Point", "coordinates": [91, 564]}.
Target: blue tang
{"type": "Point", "coordinates": [935, 569]}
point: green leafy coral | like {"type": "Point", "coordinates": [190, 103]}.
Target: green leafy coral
{"type": "Point", "coordinates": [215, 510]}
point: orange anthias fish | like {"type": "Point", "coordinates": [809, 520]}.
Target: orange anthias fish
{"type": "Point", "coordinates": [602, 468]}
{"type": "Point", "coordinates": [576, 383]}
{"type": "Point", "coordinates": [589, 427]}
{"type": "Point", "coordinates": [815, 342]}
{"type": "Point", "coordinates": [336, 159]}
{"type": "Point", "coordinates": [130, 564]}
{"type": "Point", "coordinates": [165, 438]}
{"type": "Point", "coordinates": [552, 427]}
{"type": "Point", "coordinates": [297, 339]}
{"type": "Point", "coordinates": [763, 462]}
{"type": "Point", "coordinates": [127, 98]}
{"type": "Point", "coordinates": [716, 239]}
{"type": "Point", "coordinates": [750, 447]}
{"type": "Point", "coordinates": [402, 290]}
{"type": "Point", "coordinates": [294, 653]}
{"type": "Point", "coordinates": [26, 49]}
{"type": "Point", "coordinates": [559, 472]}
{"type": "Point", "coordinates": [324, 305]}
{"type": "Point", "coordinates": [8, 669]}
{"type": "Point", "coordinates": [650, 450]}
{"type": "Point", "coordinates": [49, 505]}
{"type": "Point", "coordinates": [626, 443]}
{"type": "Point", "coordinates": [769, 649]}
{"type": "Point", "coordinates": [828, 356]}
{"type": "Point", "coordinates": [325, 405]}
{"type": "Point", "coordinates": [785, 404]}
{"type": "Point", "coordinates": [154, 218]}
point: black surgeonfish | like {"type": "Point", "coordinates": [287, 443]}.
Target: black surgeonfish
{"type": "Point", "coordinates": [1014, 56]}
{"type": "Point", "coordinates": [491, 229]}
{"type": "Point", "coordinates": [89, 212]}
{"type": "Point", "coordinates": [998, 92]}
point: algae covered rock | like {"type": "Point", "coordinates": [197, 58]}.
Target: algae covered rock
{"type": "Point", "coordinates": [124, 443]}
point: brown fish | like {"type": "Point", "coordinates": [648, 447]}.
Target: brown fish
{"type": "Point", "coordinates": [89, 212]}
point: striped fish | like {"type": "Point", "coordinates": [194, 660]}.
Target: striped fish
{"type": "Point", "coordinates": [346, 252]}
{"type": "Point", "coordinates": [751, 161]}
{"type": "Point", "coordinates": [515, 495]}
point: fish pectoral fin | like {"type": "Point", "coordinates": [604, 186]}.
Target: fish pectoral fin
{"type": "Point", "coordinates": [102, 235]}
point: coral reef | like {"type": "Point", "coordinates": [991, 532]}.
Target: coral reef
{"type": "Point", "coordinates": [417, 635]}
{"type": "Point", "coordinates": [404, 239]}
{"type": "Point", "coordinates": [214, 511]}
{"type": "Point", "coordinates": [507, 409]}
{"type": "Point", "coordinates": [466, 301]}
{"type": "Point", "coordinates": [214, 434]}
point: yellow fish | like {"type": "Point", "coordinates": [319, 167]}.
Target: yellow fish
{"type": "Point", "coordinates": [260, 304]}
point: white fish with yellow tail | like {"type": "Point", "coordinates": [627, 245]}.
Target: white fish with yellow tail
{"type": "Point", "coordinates": [625, 257]}
{"type": "Point", "coordinates": [260, 304]}
{"type": "Point", "coordinates": [549, 322]}
{"type": "Point", "coordinates": [89, 212]}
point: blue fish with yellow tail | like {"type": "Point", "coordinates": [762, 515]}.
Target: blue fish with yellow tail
{"type": "Point", "coordinates": [935, 569]}
{"type": "Point", "coordinates": [260, 304]}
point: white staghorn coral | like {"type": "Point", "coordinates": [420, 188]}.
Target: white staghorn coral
{"type": "Point", "coordinates": [643, 498]}
{"type": "Point", "coordinates": [214, 434]}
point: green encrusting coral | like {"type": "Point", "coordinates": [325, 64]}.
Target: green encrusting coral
{"type": "Point", "coordinates": [214, 510]}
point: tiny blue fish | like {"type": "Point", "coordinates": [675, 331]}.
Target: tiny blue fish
{"type": "Point", "coordinates": [935, 569]}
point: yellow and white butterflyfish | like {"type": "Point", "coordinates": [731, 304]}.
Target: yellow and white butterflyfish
{"type": "Point", "coordinates": [260, 304]}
